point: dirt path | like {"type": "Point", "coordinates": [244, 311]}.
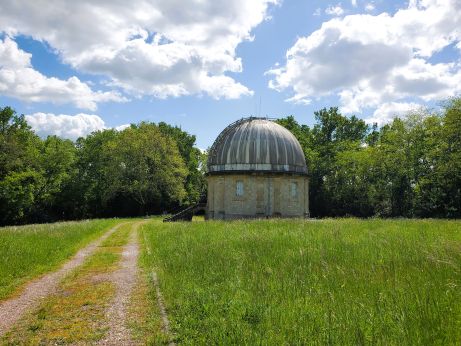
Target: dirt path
{"type": "Point", "coordinates": [124, 280]}
{"type": "Point", "coordinates": [13, 309]}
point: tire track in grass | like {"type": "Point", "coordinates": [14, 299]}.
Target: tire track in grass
{"type": "Point", "coordinates": [124, 279]}
{"type": "Point", "coordinates": [11, 310]}
{"type": "Point", "coordinates": [76, 313]}
{"type": "Point", "coordinates": [160, 300]}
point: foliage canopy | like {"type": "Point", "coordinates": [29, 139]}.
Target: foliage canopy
{"type": "Point", "coordinates": [408, 168]}
{"type": "Point", "coordinates": [144, 169]}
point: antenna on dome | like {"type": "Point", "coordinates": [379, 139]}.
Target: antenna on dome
{"type": "Point", "coordinates": [259, 113]}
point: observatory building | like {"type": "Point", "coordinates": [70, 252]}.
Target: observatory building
{"type": "Point", "coordinates": [256, 169]}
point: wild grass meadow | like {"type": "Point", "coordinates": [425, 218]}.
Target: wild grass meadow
{"type": "Point", "coordinates": [28, 251]}
{"type": "Point", "coordinates": [342, 281]}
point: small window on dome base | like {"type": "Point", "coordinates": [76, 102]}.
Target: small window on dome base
{"type": "Point", "coordinates": [239, 189]}
{"type": "Point", "coordinates": [294, 190]}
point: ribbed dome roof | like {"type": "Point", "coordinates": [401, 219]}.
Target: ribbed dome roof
{"type": "Point", "coordinates": [259, 145]}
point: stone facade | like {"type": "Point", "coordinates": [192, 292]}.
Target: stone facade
{"type": "Point", "coordinates": [257, 195]}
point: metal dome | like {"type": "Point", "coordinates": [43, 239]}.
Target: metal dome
{"type": "Point", "coordinates": [257, 145]}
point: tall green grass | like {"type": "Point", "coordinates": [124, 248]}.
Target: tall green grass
{"type": "Point", "coordinates": [28, 251]}
{"type": "Point", "coordinates": [348, 281]}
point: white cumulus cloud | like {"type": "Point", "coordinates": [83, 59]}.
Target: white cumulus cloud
{"type": "Point", "coordinates": [68, 126]}
{"type": "Point", "coordinates": [20, 80]}
{"type": "Point", "coordinates": [372, 60]}
{"type": "Point", "coordinates": [159, 47]}
{"type": "Point", "coordinates": [388, 111]}
{"type": "Point", "coordinates": [65, 126]}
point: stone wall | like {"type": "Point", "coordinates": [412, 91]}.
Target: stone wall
{"type": "Point", "coordinates": [264, 195]}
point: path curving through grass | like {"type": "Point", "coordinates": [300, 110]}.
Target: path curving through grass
{"type": "Point", "coordinates": [97, 303]}
{"type": "Point", "coordinates": [26, 252]}
{"type": "Point", "coordinates": [11, 310]}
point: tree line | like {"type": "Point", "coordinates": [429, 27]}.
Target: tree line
{"type": "Point", "coordinates": [408, 168]}
{"type": "Point", "coordinates": [145, 169]}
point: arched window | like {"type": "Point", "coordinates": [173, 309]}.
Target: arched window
{"type": "Point", "coordinates": [239, 188]}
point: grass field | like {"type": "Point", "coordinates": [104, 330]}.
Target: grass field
{"type": "Point", "coordinates": [28, 251]}
{"type": "Point", "coordinates": [383, 282]}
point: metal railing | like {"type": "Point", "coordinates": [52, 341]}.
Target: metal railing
{"type": "Point", "coordinates": [186, 214]}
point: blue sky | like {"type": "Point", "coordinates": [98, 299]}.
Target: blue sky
{"type": "Point", "coordinates": [77, 67]}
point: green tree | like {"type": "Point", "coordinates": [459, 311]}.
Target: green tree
{"type": "Point", "coordinates": [19, 146]}
{"type": "Point", "coordinates": [58, 168]}
{"type": "Point", "coordinates": [332, 135]}
{"type": "Point", "coordinates": [195, 184]}
{"type": "Point", "coordinates": [88, 189]}
{"type": "Point", "coordinates": [147, 167]}
{"type": "Point", "coordinates": [20, 174]}
{"type": "Point", "coordinates": [438, 192]}
{"type": "Point", "coordinates": [132, 172]}
{"type": "Point", "coordinates": [18, 192]}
